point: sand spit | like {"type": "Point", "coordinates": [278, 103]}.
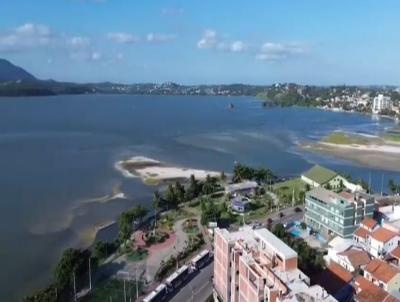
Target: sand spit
{"type": "Point", "coordinates": [374, 153]}
{"type": "Point", "coordinates": [152, 171]}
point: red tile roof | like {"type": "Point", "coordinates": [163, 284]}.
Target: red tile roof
{"type": "Point", "coordinates": [396, 252]}
{"type": "Point", "coordinates": [367, 291]}
{"type": "Point", "coordinates": [369, 222]}
{"type": "Point", "coordinates": [383, 235]}
{"type": "Point", "coordinates": [356, 257]}
{"type": "Point", "coordinates": [361, 232]}
{"type": "Point", "coordinates": [340, 272]}
{"type": "Point", "coordinates": [381, 270]}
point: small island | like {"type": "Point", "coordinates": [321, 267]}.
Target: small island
{"type": "Point", "coordinates": [154, 172]}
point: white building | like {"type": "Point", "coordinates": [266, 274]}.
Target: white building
{"type": "Point", "coordinates": [380, 103]}
{"type": "Point", "coordinates": [382, 241]}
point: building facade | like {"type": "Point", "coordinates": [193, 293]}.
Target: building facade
{"type": "Point", "coordinates": [380, 103]}
{"type": "Point", "coordinates": [254, 266]}
{"type": "Point", "coordinates": [337, 214]}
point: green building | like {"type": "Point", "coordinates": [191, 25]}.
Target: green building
{"type": "Point", "coordinates": [337, 214]}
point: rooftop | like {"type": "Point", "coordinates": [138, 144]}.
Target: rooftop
{"type": "Point", "coordinates": [275, 243]}
{"type": "Point", "coordinates": [381, 270]}
{"type": "Point", "coordinates": [383, 234]}
{"type": "Point", "coordinates": [320, 174]}
{"type": "Point", "coordinates": [369, 292]}
{"type": "Point", "coordinates": [361, 232]}
{"type": "Point", "coordinates": [340, 272]}
{"type": "Point", "coordinates": [395, 253]}
{"type": "Point", "coordinates": [328, 196]}
{"type": "Point", "coordinates": [339, 244]}
{"type": "Point", "coordinates": [357, 257]}
{"type": "Point", "coordinates": [369, 222]}
{"type": "Point", "coordinates": [245, 185]}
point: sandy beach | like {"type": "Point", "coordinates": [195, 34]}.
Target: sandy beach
{"type": "Point", "coordinates": [152, 171]}
{"type": "Point", "coordinates": [385, 157]}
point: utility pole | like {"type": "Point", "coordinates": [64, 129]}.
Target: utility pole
{"type": "Point", "coordinates": [90, 277]}
{"type": "Point", "coordinates": [124, 291]}
{"type": "Point", "coordinates": [369, 183]}
{"type": "Point", "coordinates": [74, 287]}
{"type": "Point", "coordinates": [137, 285]}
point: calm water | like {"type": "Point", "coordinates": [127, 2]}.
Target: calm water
{"type": "Point", "coordinates": [56, 152]}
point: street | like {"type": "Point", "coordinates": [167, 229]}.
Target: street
{"type": "Point", "coordinates": [198, 289]}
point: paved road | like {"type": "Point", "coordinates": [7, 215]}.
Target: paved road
{"type": "Point", "coordinates": [199, 288]}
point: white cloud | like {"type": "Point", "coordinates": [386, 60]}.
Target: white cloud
{"type": "Point", "coordinates": [238, 46]}
{"type": "Point", "coordinates": [78, 42]}
{"type": "Point", "coordinates": [96, 56]}
{"type": "Point", "coordinates": [211, 40]}
{"type": "Point", "coordinates": [278, 51]}
{"type": "Point", "coordinates": [123, 38]}
{"type": "Point", "coordinates": [157, 37]}
{"type": "Point", "coordinates": [208, 40]}
{"type": "Point", "coordinates": [26, 36]}
{"type": "Point", "coordinates": [172, 11]}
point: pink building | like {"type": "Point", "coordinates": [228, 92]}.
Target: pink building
{"type": "Point", "coordinates": [254, 265]}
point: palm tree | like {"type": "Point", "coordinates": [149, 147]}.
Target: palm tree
{"type": "Point", "coordinates": [156, 204]}
{"type": "Point", "coordinates": [392, 186]}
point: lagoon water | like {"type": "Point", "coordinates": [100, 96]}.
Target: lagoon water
{"type": "Point", "coordinates": [58, 152]}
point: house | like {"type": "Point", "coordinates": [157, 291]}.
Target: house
{"type": "Point", "coordinates": [346, 253]}
{"type": "Point", "coordinates": [366, 291]}
{"type": "Point", "coordinates": [240, 204]}
{"type": "Point", "coordinates": [367, 226]}
{"type": "Point", "coordinates": [245, 187]}
{"type": "Point", "coordinates": [381, 241]}
{"type": "Point", "coordinates": [319, 176]}
{"type": "Point", "coordinates": [353, 259]}
{"type": "Point", "coordinates": [332, 213]}
{"type": "Point", "coordinates": [383, 275]}
{"type": "Point", "coordinates": [394, 256]}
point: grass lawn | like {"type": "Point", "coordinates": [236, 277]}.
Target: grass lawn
{"type": "Point", "coordinates": [295, 183]}
{"type": "Point", "coordinates": [113, 290]}
{"type": "Point", "coordinates": [284, 190]}
{"type": "Point", "coordinates": [340, 138]}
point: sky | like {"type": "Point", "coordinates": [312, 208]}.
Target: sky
{"type": "Point", "coordinates": [318, 42]}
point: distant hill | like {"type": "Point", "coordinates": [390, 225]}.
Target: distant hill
{"type": "Point", "coordinates": [11, 72]}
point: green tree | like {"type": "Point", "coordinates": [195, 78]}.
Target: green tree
{"type": "Point", "coordinates": [73, 261]}
{"type": "Point", "coordinates": [156, 205]}
{"type": "Point", "coordinates": [393, 187]}
{"type": "Point", "coordinates": [193, 189]}
{"type": "Point", "coordinates": [170, 197]}
{"type": "Point", "coordinates": [223, 176]}
{"type": "Point", "coordinates": [179, 192]}
{"type": "Point", "coordinates": [208, 186]}
{"type": "Point", "coordinates": [125, 226]}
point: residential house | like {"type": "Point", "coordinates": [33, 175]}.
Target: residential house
{"type": "Point", "coordinates": [346, 253]}
{"type": "Point", "coordinates": [319, 176]}
{"type": "Point", "coordinates": [366, 291]}
{"type": "Point", "coordinates": [383, 275]}
{"type": "Point", "coordinates": [394, 256]}
{"type": "Point", "coordinates": [367, 226]}
{"type": "Point", "coordinates": [381, 241]}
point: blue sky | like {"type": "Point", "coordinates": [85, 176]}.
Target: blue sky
{"type": "Point", "coordinates": [205, 41]}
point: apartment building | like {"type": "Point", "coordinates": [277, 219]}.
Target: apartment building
{"type": "Point", "coordinates": [380, 103]}
{"type": "Point", "coordinates": [254, 265]}
{"type": "Point", "coordinates": [337, 214]}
